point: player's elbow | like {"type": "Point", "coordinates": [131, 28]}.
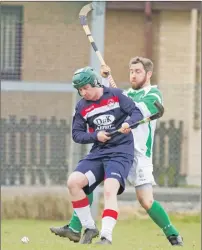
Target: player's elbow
{"type": "Point", "coordinates": [76, 138]}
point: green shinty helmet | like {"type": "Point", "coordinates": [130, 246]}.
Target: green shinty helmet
{"type": "Point", "coordinates": [84, 76]}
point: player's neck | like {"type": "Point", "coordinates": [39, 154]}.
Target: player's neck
{"type": "Point", "coordinates": [147, 84]}
{"type": "Point", "coordinates": [98, 95]}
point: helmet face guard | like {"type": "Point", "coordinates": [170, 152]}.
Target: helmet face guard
{"type": "Point", "coordinates": [85, 76]}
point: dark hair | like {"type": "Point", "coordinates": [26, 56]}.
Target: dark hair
{"type": "Point", "coordinates": [146, 62]}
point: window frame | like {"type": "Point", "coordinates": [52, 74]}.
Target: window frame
{"type": "Point", "coordinates": [14, 74]}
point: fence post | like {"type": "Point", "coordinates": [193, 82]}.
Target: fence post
{"type": "Point", "coordinates": [12, 149]}
{"type": "Point", "coordinates": [4, 167]}
{"type": "Point", "coordinates": [23, 147]}
{"type": "Point", "coordinates": [32, 127]}
{"type": "Point", "coordinates": [173, 151]}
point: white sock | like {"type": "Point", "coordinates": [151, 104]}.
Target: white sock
{"type": "Point", "coordinates": [109, 219]}
{"type": "Point", "coordinates": [82, 210]}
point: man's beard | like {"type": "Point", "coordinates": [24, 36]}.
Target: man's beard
{"type": "Point", "coordinates": [140, 84]}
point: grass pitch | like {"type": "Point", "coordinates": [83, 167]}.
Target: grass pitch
{"type": "Point", "coordinates": [131, 234]}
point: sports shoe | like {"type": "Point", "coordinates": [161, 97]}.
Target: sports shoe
{"type": "Point", "coordinates": [175, 240]}
{"type": "Point", "coordinates": [67, 232]}
{"type": "Point", "coordinates": [88, 235]}
{"type": "Point", "coordinates": [103, 241]}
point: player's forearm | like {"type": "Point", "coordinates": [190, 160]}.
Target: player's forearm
{"type": "Point", "coordinates": [84, 137]}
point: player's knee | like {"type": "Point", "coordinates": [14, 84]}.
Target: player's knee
{"type": "Point", "coordinates": [144, 195]}
{"type": "Point", "coordinates": [76, 180]}
{"type": "Point", "coordinates": [146, 203]}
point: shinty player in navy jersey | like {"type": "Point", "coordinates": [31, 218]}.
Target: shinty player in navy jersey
{"type": "Point", "coordinates": [103, 110]}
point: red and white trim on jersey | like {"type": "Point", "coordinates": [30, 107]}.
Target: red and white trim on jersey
{"type": "Point", "coordinates": [105, 105]}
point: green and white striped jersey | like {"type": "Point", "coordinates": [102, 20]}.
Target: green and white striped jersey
{"type": "Point", "coordinates": [144, 133]}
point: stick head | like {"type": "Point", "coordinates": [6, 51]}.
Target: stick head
{"type": "Point", "coordinates": [86, 8]}
{"type": "Point", "coordinates": [160, 111]}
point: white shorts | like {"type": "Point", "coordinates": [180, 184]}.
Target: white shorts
{"type": "Point", "coordinates": [142, 171]}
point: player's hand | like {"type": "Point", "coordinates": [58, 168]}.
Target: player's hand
{"type": "Point", "coordinates": [105, 71]}
{"type": "Point", "coordinates": [102, 136]}
{"type": "Point", "coordinates": [125, 128]}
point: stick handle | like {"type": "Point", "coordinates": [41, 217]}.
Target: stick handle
{"type": "Point", "coordinates": [92, 42]}
{"type": "Point", "coordinates": [131, 126]}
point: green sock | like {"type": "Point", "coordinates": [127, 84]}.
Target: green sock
{"type": "Point", "coordinates": [161, 218]}
{"type": "Point", "coordinates": [75, 223]}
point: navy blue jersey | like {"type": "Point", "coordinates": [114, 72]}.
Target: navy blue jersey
{"type": "Point", "coordinates": [105, 114]}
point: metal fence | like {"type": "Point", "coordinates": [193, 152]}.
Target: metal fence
{"type": "Point", "coordinates": [167, 154]}
{"type": "Point", "coordinates": [37, 151]}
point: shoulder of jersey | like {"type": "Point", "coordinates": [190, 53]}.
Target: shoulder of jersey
{"type": "Point", "coordinates": [80, 103]}
{"type": "Point", "coordinates": [116, 90]}
{"type": "Point", "coordinates": [154, 89]}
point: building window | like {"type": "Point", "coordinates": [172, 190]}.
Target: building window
{"type": "Point", "coordinates": [11, 42]}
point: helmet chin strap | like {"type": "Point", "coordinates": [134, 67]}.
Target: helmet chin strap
{"type": "Point", "coordinates": [79, 93]}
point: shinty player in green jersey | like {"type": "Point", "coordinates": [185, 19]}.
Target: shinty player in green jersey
{"type": "Point", "coordinates": [141, 174]}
